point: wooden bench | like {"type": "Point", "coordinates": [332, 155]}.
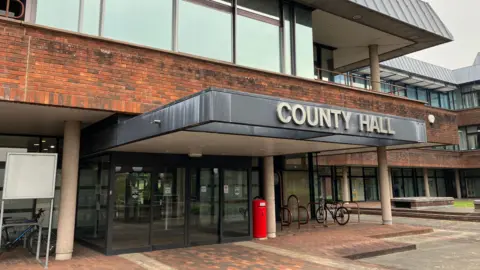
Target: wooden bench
{"type": "Point", "coordinates": [422, 202]}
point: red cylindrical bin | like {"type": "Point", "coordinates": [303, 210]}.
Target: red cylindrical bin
{"type": "Point", "coordinates": [259, 219]}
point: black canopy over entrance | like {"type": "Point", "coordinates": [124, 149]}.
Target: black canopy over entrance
{"type": "Point", "coordinates": [225, 122]}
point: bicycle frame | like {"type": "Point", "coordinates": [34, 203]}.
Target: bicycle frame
{"type": "Point", "coordinates": [29, 229]}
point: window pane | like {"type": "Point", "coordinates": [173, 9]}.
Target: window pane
{"type": "Point", "coordinates": [444, 101]}
{"type": "Point", "coordinates": [472, 142]}
{"type": "Point", "coordinates": [326, 64]}
{"type": "Point", "coordinates": [258, 38]}
{"type": "Point", "coordinates": [58, 13]}
{"type": "Point", "coordinates": [422, 94]}
{"type": "Point", "coordinates": [358, 190]}
{"type": "Point", "coordinates": [434, 99]}
{"type": "Point", "coordinates": [91, 17]}
{"type": "Point", "coordinates": [411, 92]}
{"type": "Point", "coordinates": [463, 139]}
{"type": "Point", "coordinates": [205, 31]}
{"type": "Point", "coordinates": [168, 206]}
{"type": "Point", "coordinates": [296, 183]}
{"type": "Point", "coordinates": [132, 22]}
{"type": "Point", "coordinates": [304, 43]}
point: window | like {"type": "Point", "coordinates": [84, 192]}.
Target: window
{"type": "Point", "coordinates": [90, 23]}
{"type": "Point", "coordinates": [444, 101]}
{"type": "Point", "coordinates": [206, 30]}
{"type": "Point", "coordinates": [411, 92]}
{"type": "Point", "coordinates": [422, 94]}
{"type": "Point", "coordinates": [463, 138]}
{"type": "Point", "coordinates": [258, 34]}
{"type": "Point", "coordinates": [148, 24]}
{"type": "Point", "coordinates": [304, 43]}
{"type": "Point", "coordinates": [58, 13]}
{"type": "Point", "coordinates": [434, 99]}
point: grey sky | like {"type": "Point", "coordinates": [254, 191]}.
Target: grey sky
{"type": "Point", "coordinates": [461, 18]}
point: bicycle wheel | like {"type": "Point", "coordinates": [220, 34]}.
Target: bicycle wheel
{"type": "Point", "coordinates": [32, 241]}
{"type": "Point", "coordinates": [342, 216]}
{"type": "Point", "coordinates": [320, 214]}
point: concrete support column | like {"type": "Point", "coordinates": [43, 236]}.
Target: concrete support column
{"type": "Point", "coordinates": [68, 191]}
{"type": "Point", "coordinates": [384, 185]}
{"type": "Point", "coordinates": [426, 186]}
{"type": "Point", "coordinates": [457, 184]}
{"type": "Point", "coordinates": [374, 67]}
{"type": "Point", "coordinates": [390, 182]}
{"type": "Point", "coordinates": [345, 185]}
{"type": "Point", "coordinates": [269, 194]}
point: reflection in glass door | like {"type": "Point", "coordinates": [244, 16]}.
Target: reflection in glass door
{"type": "Point", "coordinates": [235, 198]}
{"type": "Point", "coordinates": [203, 220]}
{"type": "Point", "coordinates": [131, 221]}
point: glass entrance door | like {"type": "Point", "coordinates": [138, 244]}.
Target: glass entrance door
{"type": "Point", "coordinates": [203, 214]}
{"type": "Point", "coordinates": [131, 220]}
{"type": "Point", "coordinates": [235, 215]}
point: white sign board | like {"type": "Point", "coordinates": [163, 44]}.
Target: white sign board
{"type": "Point", "coordinates": [30, 176]}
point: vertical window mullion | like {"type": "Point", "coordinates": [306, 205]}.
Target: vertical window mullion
{"type": "Point", "coordinates": [234, 31]}
{"type": "Point", "coordinates": [175, 25]}
{"type": "Point", "coordinates": [282, 36]}
{"type": "Point", "coordinates": [293, 22]}
{"type": "Point", "coordinates": [80, 16]}
{"type": "Point", "coordinates": [102, 17]}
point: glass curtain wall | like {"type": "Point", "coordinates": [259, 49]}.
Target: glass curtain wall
{"type": "Point", "coordinates": [262, 36]}
{"type": "Point", "coordinates": [363, 183]}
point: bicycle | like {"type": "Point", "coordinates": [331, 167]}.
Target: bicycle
{"type": "Point", "coordinates": [339, 213]}
{"type": "Point", "coordinates": [30, 234]}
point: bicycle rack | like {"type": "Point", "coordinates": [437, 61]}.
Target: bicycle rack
{"type": "Point", "coordinates": [358, 208]}
{"type": "Point", "coordinates": [284, 208]}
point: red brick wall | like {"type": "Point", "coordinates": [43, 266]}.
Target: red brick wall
{"type": "Point", "coordinates": [418, 158]}
{"type": "Point", "coordinates": [56, 68]}
{"type": "Point", "coordinates": [468, 117]}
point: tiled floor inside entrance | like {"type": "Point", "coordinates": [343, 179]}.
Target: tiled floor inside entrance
{"type": "Point", "coordinates": [311, 247]}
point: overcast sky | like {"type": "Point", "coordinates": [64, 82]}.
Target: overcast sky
{"type": "Point", "coordinates": [462, 19]}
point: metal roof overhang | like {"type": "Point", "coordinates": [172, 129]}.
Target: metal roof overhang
{"type": "Point", "coordinates": [231, 113]}
{"type": "Point", "coordinates": [412, 20]}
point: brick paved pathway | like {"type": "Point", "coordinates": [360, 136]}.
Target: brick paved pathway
{"type": "Point", "coordinates": [312, 247]}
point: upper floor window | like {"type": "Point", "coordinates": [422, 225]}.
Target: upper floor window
{"type": "Point", "coordinates": [258, 39]}
{"type": "Point", "coordinates": [148, 23]}
{"type": "Point", "coordinates": [258, 34]}
{"type": "Point", "coordinates": [205, 28]}
{"type": "Point", "coordinates": [470, 96]}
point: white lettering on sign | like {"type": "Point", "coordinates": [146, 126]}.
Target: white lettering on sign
{"type": "Point", "coordinates": [332, 118]}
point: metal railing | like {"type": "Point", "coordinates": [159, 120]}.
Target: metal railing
{"type": "Point", "coordinates": [8, 9]}
{"type": "Point", "coordinates": [356, 81]}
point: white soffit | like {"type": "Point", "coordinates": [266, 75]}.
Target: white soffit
{"type": "Point", "coordinates": [187, 142]}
